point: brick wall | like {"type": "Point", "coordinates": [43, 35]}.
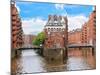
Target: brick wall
{"type": "Point", "coordinates": [87, 34]}
{"type": "Point", "coordinates": [16, 28]}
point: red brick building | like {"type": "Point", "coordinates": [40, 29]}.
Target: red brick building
{"type": "Point", "coordinates": [56, 32]}
{"type": "Point", "coordinates": [85, 35]}
{"type": "Point", "coordinates": [16, 30]}
{"type": "Point", "coordinates": [74, 37]}
{"type": "Point", "coordinates": [55, 44]}
{"type": "Point", "coordinates": [28, 39]}
{"type": "Point", "coordinates": [89, 30]}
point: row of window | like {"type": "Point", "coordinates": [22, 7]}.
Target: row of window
{"type": "Point", "coordinates": [55, 17]}
{"type": "Point", "coordinates": [55, 24]}
{"type": "Point", "coordinates": [55, 29]}
{"type": "Point", "coordinates": [16, 41]}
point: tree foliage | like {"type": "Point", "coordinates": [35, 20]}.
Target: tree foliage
{"type": "Point", "coordinates": [39, 39]}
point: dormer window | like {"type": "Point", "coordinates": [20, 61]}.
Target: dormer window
{"type": "Point", "coordinates": [55, 17]}
{"type": "Point", "coordinates": [49, 17]}
{"type": "Point", "coordinates": [60, 17]}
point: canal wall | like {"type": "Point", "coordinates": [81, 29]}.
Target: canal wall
{"type": "Point", "coordinates": [53, 55]}
{"type": "Point", "coordinates": [15, 53]}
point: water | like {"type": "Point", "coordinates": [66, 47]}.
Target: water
{"type": "Point", "coordinates": [31, 62]}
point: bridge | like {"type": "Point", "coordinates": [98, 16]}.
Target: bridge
{"type": "Point", "coordinates": [25, 47]}
{"type": "Point", "coordinates": [80, 46]}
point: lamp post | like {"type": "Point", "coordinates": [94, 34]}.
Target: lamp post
{"type": "Point", "coordinates": [64, 40]}
{"type": "Point", "coordinates": [41, 49]}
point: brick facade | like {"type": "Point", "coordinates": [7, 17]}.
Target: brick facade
{"type": "Point", "coordinates": [74, 37]}
{"type": "Point", "coordinates": [16, 24]}
{"type": "Point", "coordinates": [55, 44]}
{"type": "Point", "coordinates": [87, 34]}
{"type": "Point", "coordinates": [28, 38]}
{"type": "Point", "coordinates": [89, 30]}
{"type": "Point", "coordinates": [56, 32]}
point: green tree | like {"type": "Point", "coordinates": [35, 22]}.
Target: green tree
{"type": "Point", "coordinates": [39, 39]}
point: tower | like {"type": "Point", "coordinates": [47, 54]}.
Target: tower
{"type": "Point", "coordinates": [56, 30]}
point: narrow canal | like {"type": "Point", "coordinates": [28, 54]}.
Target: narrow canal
{"type": "Point", "coordinates": [31, 62]}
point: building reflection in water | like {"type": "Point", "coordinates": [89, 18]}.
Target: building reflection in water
{"type": "Point", "coordinates": [81, 59]}
{"type": "Point", "coordinates": [16, 66]}
{"type": "Point", "coordinates": [31, 62]}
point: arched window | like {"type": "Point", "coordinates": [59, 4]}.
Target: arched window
{"type": "Point", "coordinates": [48, 29]}
{"type": "Point", "coordinates": [51, 29]}
{"type": "Point", "coordinates": [54, 29]}
{"type": "Point", "coordinates": [57, 29]}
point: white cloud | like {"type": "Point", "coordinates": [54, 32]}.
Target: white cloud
{"type": "Point", "coordinates": [93, 8]}
{"type": "Point", "coordinates": [75, 22]}
{"type": "Point", "coordinates": [59, 6]}
{"type": "Point", "coordinates": [36, 25]}
{"type": "Point", "coordinates": [33, 25]}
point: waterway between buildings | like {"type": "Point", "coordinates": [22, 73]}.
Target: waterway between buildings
{"type": "Point", "coordinates": [31, 62]}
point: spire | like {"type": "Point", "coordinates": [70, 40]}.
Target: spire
{"type": "Point", "coordinates": [13, 2]}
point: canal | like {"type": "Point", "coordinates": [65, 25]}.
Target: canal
{"type": "Point", "coordinates": [31, 62]}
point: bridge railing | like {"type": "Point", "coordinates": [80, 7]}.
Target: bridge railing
{"type": "Point", "coordinates": [81, 45]}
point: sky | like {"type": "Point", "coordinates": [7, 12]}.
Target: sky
{"type": "Point", "coordinates": [34, 15]}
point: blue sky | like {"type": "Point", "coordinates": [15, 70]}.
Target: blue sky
{"type": "Point", "coordinates": [34, 14]}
